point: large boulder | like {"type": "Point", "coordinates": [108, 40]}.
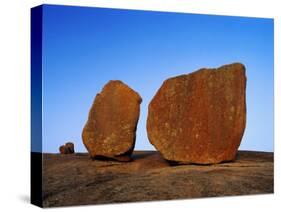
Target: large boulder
{"type": "Point", "coordinates": [199, 117]}
{"type": "Point", "coordinates": [110, 131]}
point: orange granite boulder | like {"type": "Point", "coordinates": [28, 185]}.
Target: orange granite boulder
{"type": "Point", "coordinates": [199, 117]}
{"type": "Point", "coordinates": [110, 131]}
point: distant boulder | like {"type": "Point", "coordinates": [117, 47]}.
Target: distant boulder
{"type": "Point", "coordinates": [67, 148]}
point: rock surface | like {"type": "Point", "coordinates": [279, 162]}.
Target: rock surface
{"type": "Point", "coordinates": [110, 131]}
{"type": "Point", "coordinates": [76, 180]}
{"type": "Point", "coordinates": [199, 117]}
{"type": "Point", "coordinates": [67, 148]}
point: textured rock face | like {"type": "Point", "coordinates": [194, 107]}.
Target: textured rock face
{"type": "Point", "coordinates": [68, 148]}
{"type": "Point", "coordinates": [110, 131]}
{"type": "Point", "coordinates": [199, 117]}
{"type": "Point", "coordinates": [75, 180]}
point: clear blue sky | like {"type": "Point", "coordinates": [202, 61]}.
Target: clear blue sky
{"type": "Point", "coordinates": [84, 48]}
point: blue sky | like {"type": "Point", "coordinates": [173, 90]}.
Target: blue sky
{"type": "Point", "coordinates": [84, 48]}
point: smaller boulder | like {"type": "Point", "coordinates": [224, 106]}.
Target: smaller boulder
{"type": "Point", "coordinates": [110, 131]}
{"type": "Point", "coordinates": [70, 147]}
{"type": "Point", "coordinates": [67, 148]}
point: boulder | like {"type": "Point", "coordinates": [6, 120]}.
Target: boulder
{"type": "Point", "coordinates": [67, 148]}
{"type": "Point", "coordinates": [110, 131]}
{"type": "Point", "coordinates": [199, 117]}
{"type": "Point", "coordinates": [70, 147]}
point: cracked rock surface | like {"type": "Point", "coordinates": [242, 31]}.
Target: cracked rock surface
{"type": "Point", "coordinates": [75, 180]}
